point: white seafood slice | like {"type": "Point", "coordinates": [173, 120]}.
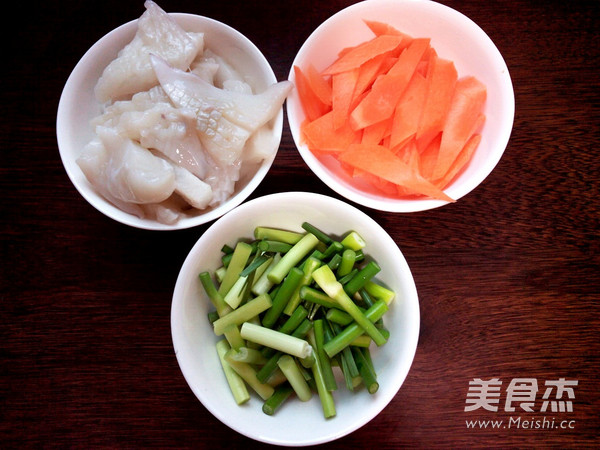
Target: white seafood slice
{"type": "Point", "coordinates": [225, 71]}
{"type": "Point", "coordinates": [157, 33]}
{"type": "Point", "coordinates": [261, 145]}
{"type": "Point", "coordinates": [193, 190]}
{"type": "Point", "coordinates": [237, 86]}
{"type": "Point", "coordinates": [151, 119]}
{"type": "Point", "coordinates": [93, 161]}
{"type": "Point", "coordinates": [132, 173]}
{"type": "Point", "coordinates": [225, 119]}
{"type": "Point", "coordinates": [168, 212]}
{"type": "Point", "coordinates": [206, 68]}
{"type": "Point", "coordinates": [222, 180]}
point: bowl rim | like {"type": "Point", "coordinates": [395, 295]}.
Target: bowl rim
{"type": "Point", "coordinates": [65, 108]}
{"type": "Point", "coordinates": [382, 203]}
{"type": "Point", "coordinates": [411, 299]}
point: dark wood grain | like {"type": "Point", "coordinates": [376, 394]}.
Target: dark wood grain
{"type": "Point", "coordinates": [508, 277]}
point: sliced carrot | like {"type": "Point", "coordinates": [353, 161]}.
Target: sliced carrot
{"type": "Point", "coordinates": [423, 65]}
{"type": "Point", "coordinates": [312, 106]}
{"type": "Point", "coordinates": [393, 114]}
{"type": "Point", "coordinates": [374, 134]}
{"type": "Point", "coordinates": [386, 141]}
{"type": "Point", "coordinates": [378, 183]}
{"type": "Point", "coordinates": [429, 157]}
{"type": "Point", "coordinates": [410, 155]}
{"type": "Point", "coordinates": [383, 163]}
{"type": "Point", "coordinates": [381, 28]}
{"type": "Point", "coordinates": [368, 72]}
{"type": "Point", "coordinates": [463, 118]}
{"type": "Point", "coordinates": [319, 84]}
{"type": "Point", "coordinates": [343, 84]}
{"type": "Point", "coordinates": [321, 134]}
{"type": "Point", "coordinates": [408, 111]}
{"type": "Point", "coordinates": [441, 80]}
{"type": "Point", "coordinates": [387, 89]}
{"type": "Point", "coordinates": [461, 161]}
{"type": "Point", "coordinates": [357, 56]}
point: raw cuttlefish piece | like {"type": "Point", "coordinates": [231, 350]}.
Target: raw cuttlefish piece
{"type": "Point", "coordinates": [167, 212]}
{"type": "Point", "coordinates": [205, 67]}
{"type": "Point", "coordinates": [225, 119]}
{"type": "Point", "coordinates": [157, 33]}
{"type": "Point", "coordinates": [126, 171]}
{"type": "Point", "coordinates": [93, 161]}
{"type": "Point", "coordinates": [151, 119]}
{"type": "Point", "coordinates": [225, 71]}
{"type": "Point", "coordinates": [193, 190]}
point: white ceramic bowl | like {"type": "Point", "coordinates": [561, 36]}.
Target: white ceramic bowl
{"type": "Point", "coordinates": [78, 105]}
{"type": "Point", "coordinates": [455, 37]}
{"type": "Point", "coordinates": [296, 423]}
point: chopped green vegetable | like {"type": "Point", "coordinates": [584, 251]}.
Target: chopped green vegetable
{"type": "Point", "coordinates": [365, 274]}
{"type": "Point", "coordinates": [269, 367]}
{"type": "Point", "coordinates": [236, 383]}
{"type": "Point", "coordinates": [324, 238]}
{"type": "Point", "coordinates": [275, 234]}
{"type": "Point", "coordinates": [327, 402]}
{"type": "Point", "coordinates": [243, 314]}
{"type": "Point", "coordinates": [291, 281]}
{"type": "Point", "coordinates": [325, 363]}
{"type": "Point", "coordinates": [213, 294]}
{"type": "Point", "coordinates": [292, 257]}
{"type": "Point", "coordinates": [290, 369]}
{"type": "Point", "coordinates": [354, 241]}
{"type": "Point", "coordinates": [247, 355]}
{"type": "Point", "coordinates": [347, 263]}
{"type": "Point", "coordinates": [248, 374]}
{"type": "Point", "coordinates": [233, 336]}
{"type": "Point", "coordinates": [380, 292]}
{"type": "Point", "coordinates": [294, 308]}
{"type": "Point", "coordinates": [275, 339]}
{"type": "Point", "coordinates": [275, 401]}
{"type": "Point", "coordinates": [352, 331]}
{"type": "Point", "coordinates": [309, 266]}
{"type": "Point", "coordinates": [235, 295]}
{"type": "Point", "coordinates": [240, 256]}
{"type": "Point", "coordinates": [326, 280]}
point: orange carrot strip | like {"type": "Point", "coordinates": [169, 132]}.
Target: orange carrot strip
{"type": "Point", "coordinates": [387, 89]}
{"type": "Point", "coordinates": [368, 72]}
{"type": "Point", "coordinates": [312, 106]}
{"type": "Point", "coordinates": [461, 161]}
{"type": "Point", "coordinates": [408, 110]}
{"type": "Point", "coordinates": [319, 85]}
{"type": "Point", "coordinates": [382, 162]}
{"type": "Point", "coordinates": [377, 182]}
{"type": "Point", "coordinates": [343, 84]}
{"type": "Point", "coordinates": [464, 115]}
{"type": "Point", "coordinates": [321, 135]}
{"type": "Point", "coordinates": [429, 157]}
{"type": "Point", "coordinates": [374, 134]}
{"type": "Point", "coordinates": [357, 56]}
{"type": "Point", "coordinates": [381, 28]}
{"type": "Point", "coordinates": [441, 80]}
{"type": "Point", "coordinates": [410, 155]}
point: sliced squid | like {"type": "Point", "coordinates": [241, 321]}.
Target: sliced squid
{"type": "Point", "coordinates": [178, 123]}
{"type": "Point", "coordinates": [157, 33]}
{"type": "Point", "coordinates": [132, 173]}
{"type": "Point", "coordinates": [225, 119]}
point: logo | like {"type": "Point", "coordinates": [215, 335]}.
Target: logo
{"type": "Point", "coordinates": [522, 395]}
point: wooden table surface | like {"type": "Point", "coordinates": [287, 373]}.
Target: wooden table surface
{"type": "Point", "coordinates": [508, 277]}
